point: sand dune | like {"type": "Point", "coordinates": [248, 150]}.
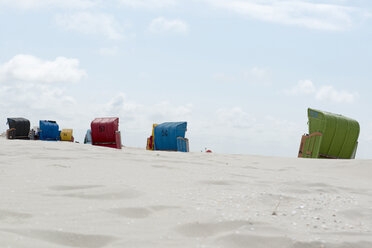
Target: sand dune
{"type": "Point", "coordinates": [56, 194]}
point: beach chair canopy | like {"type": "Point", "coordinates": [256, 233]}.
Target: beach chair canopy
{"type": "Point", "coordinates": [21, 126]}
{"type": "Point", "coordinates": [49, 130]}
{"type": "Point", "coordinates": [105, 132]}
{"type": "Point", "coordinates": [166, 135]}
{"type": "Point", "coordinates": [88, 137]}
{"type": "Point", "coordinates": [339, 134]}
{"type": "Point", "coordinates": [67, 135]}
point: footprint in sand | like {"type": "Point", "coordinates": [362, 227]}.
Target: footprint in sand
{"type": "Point", "coordinates": [41, 157]}
{"type": "Point", "coordinates": [316, 244]}
{"type": "Point", "coordinates": [216, 182]}
{"type": "Point", "coordinates": [59, 165]}
{"type": "Point", "coordinates": [51, 149]}
{"type": "Point", "coordinates": [243, 241]}
{"type": "Point", "coordinates": [264, 241]}
{"type": "Point", "coordinates": [309, 188]}
{"type": "Point", "coordinates": [163, 167]}
{"type": "Point", "coordinates": [250, 167]}
{"type": "Point", "coordinates": [125, 194]}
{"type": "Point", "coordinates": [73, 187]}
{"type": "Point", "coordinates": [162, 207]}
{"type": "Point", "coordinates": [139, 213]}
{"type": "Point", "coordinates": [86, 194]}
{"type": "Point", "coordinates": [134, 213]}
{"type": "Point", "coordinates": [197, 229]}
{"type": "Point", "coordinates": [6, 215]}
{"type": "Point", "coordinates": [68, 239]}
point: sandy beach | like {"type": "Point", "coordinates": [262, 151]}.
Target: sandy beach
{"type": "Point", "coordinates": [56, 194]}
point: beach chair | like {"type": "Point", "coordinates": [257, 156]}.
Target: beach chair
{"type": "Point", "coordinates": [19, 128]}
{"type": "Point", "coordinates": [49, 130]}
{"type": "Point", "coordinates": [330, 136]}
{"type": "Point", "coordinates": [105, 132]}
{"type": "Point", "coordinates": [170, 136]}
{"type": "Point", "coordinates": [66, 135]}
{"type": "Point", "coordinates": [182, 144]}
{"type": "Point", "coordinates": [88, 137]}
{"type": "Point", "coordinates": [150, 140]}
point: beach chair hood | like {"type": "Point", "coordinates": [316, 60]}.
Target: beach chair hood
{"type": "Point", "coordinates": [166, 134]}
{"type": "Point", "coordinates": [49, 130]}
{"type": "Point", "coordinates": [21, 126]}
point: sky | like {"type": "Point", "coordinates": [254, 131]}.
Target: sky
{"type": "Point", "coordinates": [242, 73]}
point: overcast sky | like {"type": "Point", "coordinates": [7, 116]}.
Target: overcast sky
{"type": "Point", "coordinates": [241, 72]}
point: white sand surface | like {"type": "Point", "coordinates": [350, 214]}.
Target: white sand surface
{"type": "Point", "coordinates": [56, 194]}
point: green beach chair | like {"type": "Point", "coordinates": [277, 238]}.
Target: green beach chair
{"type": "Point", "coordinates": [330, 136]}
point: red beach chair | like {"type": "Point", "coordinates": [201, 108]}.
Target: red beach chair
{"type": "Point", "coordinates": [105, 132]}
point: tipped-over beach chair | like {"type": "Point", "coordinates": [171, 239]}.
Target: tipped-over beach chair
{"type": "Point", "coordinates": [330, 136]}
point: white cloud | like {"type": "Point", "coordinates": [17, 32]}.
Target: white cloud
{"type": "Point", "coordinates": [35, 96]}
{"type": "Point", "coordinates": [38, 101]}
{"type": "Point", "coordinates": [149, 4]}
{"type": "Point", "coordinates": [302, 13]}
{"type": "Point", "coordinates": [139, 116]}
{"type": "Point", "coordinates": [322, 93]}
{"type": "Point", "coordinates": [236, 130]}
{"type": "Point", "coordinates": [257, 72]}
{"type": "Point", "coordinates": [324, 15]}
{"type": "Point", "coordinates": [36, 4]}
{"type": "Point", "coordinates": [27, 87]}
{"type": "Point", "coordinates": [162, 25]}
{"type": "Point", "coordinates": [91, 23]}
{"type": "Point", "coordinates": [302, 87]}
{"type": "Point", "coordinates": [234, 118]}
{"type": "Point", "coordinates": [329, 93]}
{"type": "Point", "coordinates": [24, 67]}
